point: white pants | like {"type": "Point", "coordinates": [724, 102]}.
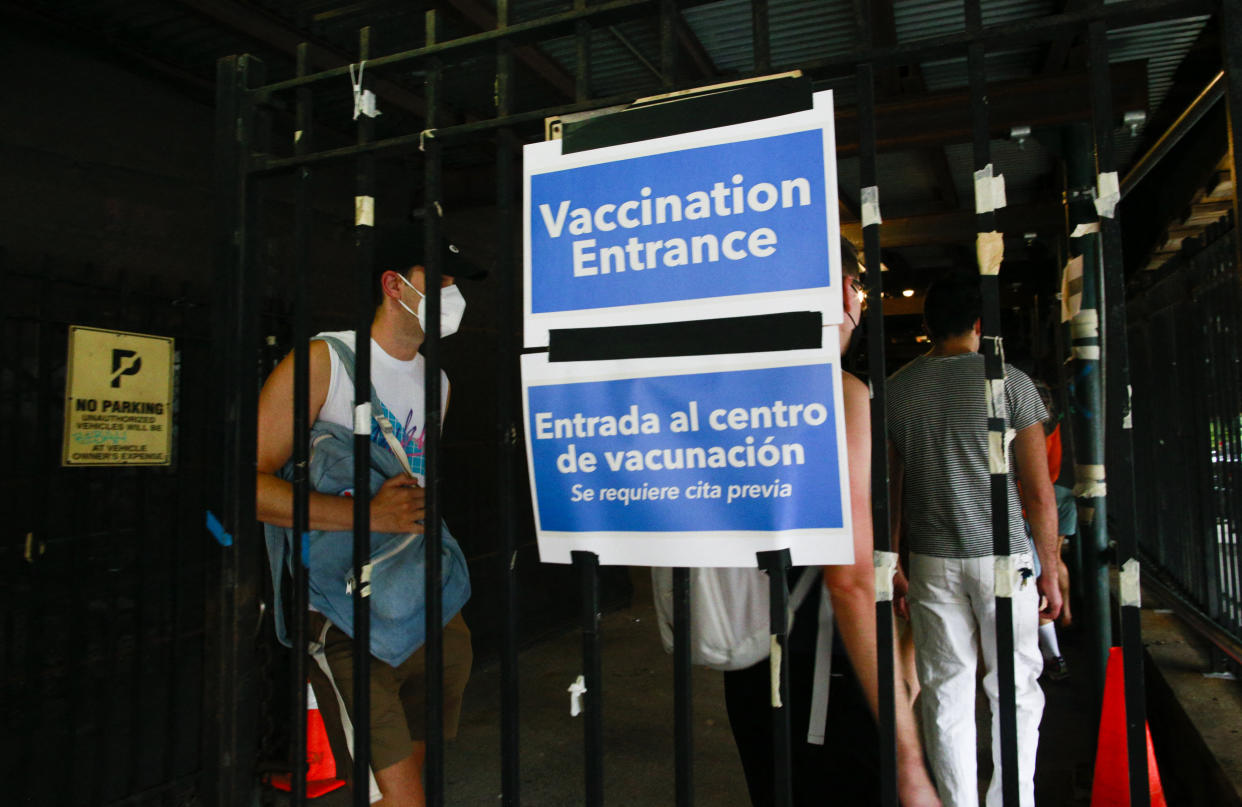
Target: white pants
{"type": "Point", "coordinates": [952, 614]}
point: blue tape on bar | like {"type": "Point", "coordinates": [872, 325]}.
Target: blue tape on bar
{"type": "Point", "coordinates": [306, 550]}
{"type": "Point", "coordinates": [217, 530]}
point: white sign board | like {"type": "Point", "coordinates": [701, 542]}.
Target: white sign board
{"type": "Point", "coordinates": [723, 222]}
{"type": "Point", "coordinates": [690, 461]}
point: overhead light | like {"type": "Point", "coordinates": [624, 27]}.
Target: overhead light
{"type": "Point", "coordinates": [907, 292]}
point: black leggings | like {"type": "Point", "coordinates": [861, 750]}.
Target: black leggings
{"type": "Point", "coordinates": [842, 771]}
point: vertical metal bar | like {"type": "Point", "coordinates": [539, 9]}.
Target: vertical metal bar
{"type": "Point", "coordinates": [760, 38]}
{"type": "Point", "coordinates": [1197, 417]}
{"type": "Point", "coordinates": [683, 703]}
{"type": "Point", "coordinates": [582, 56]}
{"type": "Point", "coordinates": [508, 281]}
{"type": "Point", "coordinates": [886, 720]}
{"type": "Point", "coordinates": [1229, 450]}
{"type": "Point", "coordinates": [231, 688]}
{"type": "Point", "coordinates": [994, 369]}
{"type": "Point", "coordinates": [587, 564]}
{"type": "Point", "coordinates": [1089, 404]}
{"type": "Point", "coordinates": [668, 44]}
{"type": "Point", "coordinates": [1231, 56]}
{"type": "Point", "coordinates": [776, 563]}
{"type": "Point", "coordinates": [364, 312]}
{"type": "Point", "coordinates": [1217, 578]}
{"type": "Point", "coordinates": [683, 700]}
{"type": "Point", "coordinates": [303, 210]}
{"type": "Point", "coordinates": [1118, 429]}
{"type": "Point", "coordinates": [433, 768]}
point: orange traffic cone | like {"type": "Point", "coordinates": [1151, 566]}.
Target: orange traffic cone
{"type": "Point", "coordinates": [320, 764]}
{"type": "Point", "coordinates": [1111, 786]}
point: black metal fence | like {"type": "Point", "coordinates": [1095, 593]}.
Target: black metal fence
{"type": "Point", "coordinates": [246, 158]}
{"type": "Point", "coordinates": [1187, 342]}
{"type": "Point", "coordinates": [102, 612]}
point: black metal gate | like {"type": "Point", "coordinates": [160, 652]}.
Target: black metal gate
{"type": "Point", "coordinates": [247, 158]}
{"type": "Point", "coordinates": [1188, 416]}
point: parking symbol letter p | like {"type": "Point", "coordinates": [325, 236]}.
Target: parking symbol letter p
{"type": "Point", "coordinates": [124, 362]}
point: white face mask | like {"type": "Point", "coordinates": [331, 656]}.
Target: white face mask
{"type": "Point", "coordinates": [452, 307]}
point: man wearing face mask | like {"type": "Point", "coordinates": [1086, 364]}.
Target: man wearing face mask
{"type": "Point", "coordinates": [397, 376]}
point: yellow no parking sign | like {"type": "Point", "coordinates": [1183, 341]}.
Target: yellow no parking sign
{"type": "Point", "coordinates": [118, 398]}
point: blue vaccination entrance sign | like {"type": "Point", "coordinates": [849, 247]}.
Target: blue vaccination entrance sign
{"type": "Point", "coordinates": [721, 222]}
{"type": "Point", "coordinates": [694, 461]}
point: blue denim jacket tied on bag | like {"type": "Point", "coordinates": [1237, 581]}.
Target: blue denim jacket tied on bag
{"type": "Point", "coordinates": [398, 560]}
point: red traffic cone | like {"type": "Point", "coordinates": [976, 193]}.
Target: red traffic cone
{"type": "Point", "coordinates": [1111, 785]}
{"type": "Point", "coordinates": [320, 764]}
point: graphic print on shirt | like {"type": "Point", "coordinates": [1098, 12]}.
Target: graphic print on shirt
{"type": "Point", "coordinates": [412, 443]}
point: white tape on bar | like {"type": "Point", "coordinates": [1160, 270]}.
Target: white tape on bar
{"type": "Point", "coordinates": [364, 211]}
{"type": "Point", "coordinates": [998, 457]}
{"type": "Point", "coordinates": [364, 100]}
{"type": "Point", "coordinates": [1085, 324]}
{"type": "Point", "coordinates": [297, 136]}
{"type": "Point", "coordinates": [885, 569]}
{"type": "Point", "coordinates": [1085, 229]}
{"type": "Point", "coordinates": [1127, 422]}
{"type": "Point", "coordinates": [366, 580]}
{"type": "Point", "coordinates": [996, 397]}
{"type": "Point", "coordinates": [870, 206]}
{"type": "Point", "coordinates": [362, 418]}
{"type": "Point", "coordinates": [990, 251]}
{"type": "Point", "coordinates": [774, 670]}
{"type": "Point", "coordinates": [576, 690]}
{"type": "Point", "coordinates": [1108, 194]}
{"type": "Point", "coordinates": [989, 190]}
{"type": "Point", "coordinates": [1071, 288]}
{"type": "Point", "coordinates": [998, 344]}
{"type": "Point", "coordinates": [1003, 575]}
{"type": "Point", "coordinates": [1090, 482]}
{"type": "Point", "coordinates": [1131, 590]}
{"type": "Point", "coordinates": [1086, 352]}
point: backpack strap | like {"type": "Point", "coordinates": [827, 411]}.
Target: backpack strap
{"type": "Point", "coordinates": [811, 575]}
{"type": "Point", "coordinates": [818, 725]}
{"type": "Point", "coordinates": [802, 588]}
{"type": "Point", "coordinates": [346, 355]}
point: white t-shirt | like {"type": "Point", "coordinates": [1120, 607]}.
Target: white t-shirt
{"type": "Point", "coordinates": [399, 385]}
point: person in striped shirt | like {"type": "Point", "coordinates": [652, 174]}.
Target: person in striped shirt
{"type": "Point", "coordinates": [937, 420]}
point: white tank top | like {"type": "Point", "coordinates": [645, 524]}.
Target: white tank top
{"type": "Point", "coordinates": [399, 385]}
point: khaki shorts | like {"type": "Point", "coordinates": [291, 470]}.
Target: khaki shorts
{"type": "Point", "coordinates": [398, 694]}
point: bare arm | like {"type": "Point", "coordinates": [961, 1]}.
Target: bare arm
{"type": "Point", "coordinates": [1041, 510]}
{"type": "Point", "coordinates": [395, 507]}
{"type": "Point", "coordinates": [896, 482]}
{"type": "Point", "coordinates": [852, 589]}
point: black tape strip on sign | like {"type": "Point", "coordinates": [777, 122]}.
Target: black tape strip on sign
{"type": "Point", "coordinates": [761, 333]}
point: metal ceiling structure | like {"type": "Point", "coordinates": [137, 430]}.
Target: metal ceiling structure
{"type": "Point", "coordinates": [924, 163]}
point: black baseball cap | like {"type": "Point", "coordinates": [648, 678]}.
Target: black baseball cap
{"type": "Point", "coordinates": [400, 246]}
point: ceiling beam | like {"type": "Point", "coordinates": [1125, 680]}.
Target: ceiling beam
{"type": "Point", "coordinates": [888, 79]}
{"type": "Point", "coordinates": [941, 118]}
{"type": "Point", "coordinates": [934, 156]}
{"type": "Point", "coordinates": [1058, 50]}
{"type": "Point", "coordinates": [693, 48]}
{"type": "Point", "coordinates": [539, 63]}
{"type": "Point", "coordinates": [959, 226]}
{"type": "Point", "coordinates": [270, 30]}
